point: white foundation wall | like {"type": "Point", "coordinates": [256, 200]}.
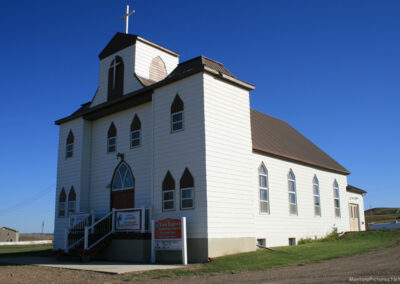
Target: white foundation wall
{"type": "Point", "coordinates": [278, 226]}
{"type": "Point", "coordinates": [356, 198]}
{"type": "Point", "coordinates": [138, 158]}
{"type": "Point", "coordinates": [69, 173]}
{"type": "Point", "coordinates": [228, 160]}
{"type": "Point", "coordinates": [176, 151]}
{"type": "Point", "coordinates": [145, 53]}
{"type": "Point", "coordinates": [130, 82]}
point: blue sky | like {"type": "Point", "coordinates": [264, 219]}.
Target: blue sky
{"type": "Point", "coordinates": [329, 68]}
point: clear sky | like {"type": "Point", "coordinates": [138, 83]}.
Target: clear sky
{"type": "Point", "coordinates": [329, 68]}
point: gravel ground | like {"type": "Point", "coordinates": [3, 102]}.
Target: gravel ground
{"type": "Point", "coordinates": [378, 266]}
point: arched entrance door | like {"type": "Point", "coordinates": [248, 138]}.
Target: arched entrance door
{"type": "Point", "coordinates": [123, 187]}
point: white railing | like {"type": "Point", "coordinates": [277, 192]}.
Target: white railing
{"type": "Point", "coordinates": [129, 220]}
{"type": "Point", "coordinates": [74, 232]}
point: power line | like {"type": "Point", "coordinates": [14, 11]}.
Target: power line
{"type": "Point", "coordinates": [29, 200]}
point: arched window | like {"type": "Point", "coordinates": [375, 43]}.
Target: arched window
{"type": "Point", "coordinates": [62, 198]}
{"type": "Point", "coordinates": [317, 199]}
{"type": "Point", "coordinates": [177, 114]}
{"type": "Point", "coordinates": [187, 190]}
{"type": "Point", "coordinates": [336, 198]}
{"type": "Point", "coordinates": [123, 178]}
{"type": "Point", "coordinates": [70, 145]}
{"type": "Point", "coordinates": [157, 69]}
{"type": "Point", "coordinates": [263, 187]}
{"type": "Point", "coordinates": [112, 138]}
{"type": "Point", "coordinates": [292, 193]}
{"type": "Point", "coordinates": [71, 201]}
{"type": "Point", "coordinates": [116, 79]}
{"type": "Point", "coordinates": [136, 126]}
{"type": "Point", "coordinates": [168, 193]}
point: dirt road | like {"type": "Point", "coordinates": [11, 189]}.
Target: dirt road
{"type": "Point", "coordinates": [374, 267]}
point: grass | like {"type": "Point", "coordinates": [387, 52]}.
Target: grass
{"type": "Point", "coordinates": [37, 250]}
{"type": "Point", "coordinates": [349, 244]}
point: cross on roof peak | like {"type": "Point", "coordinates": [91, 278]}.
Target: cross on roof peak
{"type": "Point", "coordinates": [126, 18]}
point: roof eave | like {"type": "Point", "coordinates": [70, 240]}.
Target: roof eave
{"type": "Point", "coordinates": [232, 80]}
{"type": "Point", "coordinates": [300, 161]}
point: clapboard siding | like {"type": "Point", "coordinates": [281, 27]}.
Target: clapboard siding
{"type": "Point", "coordinates": [139, 158]}
{"type": "Point", "coordinates": [228, 160]}
{"type": "Point", "coordinates": [279, 225]}
{"type": "Point", "coordinates": [130, 82]}
{"type": "Point", "coordinates": [145, 54]}
{"type": "Point", "coordinates": [176, 151]}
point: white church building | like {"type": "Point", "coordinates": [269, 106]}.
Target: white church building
{"type": "Point", "coordinates": [179, 139]}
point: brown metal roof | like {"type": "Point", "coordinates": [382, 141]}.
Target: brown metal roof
{"type": "Point", "coordinates": [274, 137]}
{"type": "Point", "coordinates": [355, 189]}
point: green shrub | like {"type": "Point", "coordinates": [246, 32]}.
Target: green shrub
{"type": "Point", "coordinates": [332, 236]}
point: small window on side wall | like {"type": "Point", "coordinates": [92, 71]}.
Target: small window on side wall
{"type": "Point", "coordinates": [136, 127]}
{"type": "Point", "coordinates": [187, 190]}
{"type": "Point", "coordinates": [177, 114]}
{"type": "Point", "coordinates": [71, 201]}
{"type": "Point", "coordinates": [62, 203]}
{"type": "Point", "coordinates": [70, 145]}
{"type": "Point", "coordinates": [112, 138]}
{"type": "Point", "coordinates": [168, 193]}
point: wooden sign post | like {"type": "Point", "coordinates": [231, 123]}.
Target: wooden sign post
{"type": "Point", "coordinates": [169, 234]}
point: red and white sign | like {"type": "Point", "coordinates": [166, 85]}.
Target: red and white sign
{"type": "Point", "coordinates": [168, 229]}
{"type": "Point", "coordinates": [169, 234]}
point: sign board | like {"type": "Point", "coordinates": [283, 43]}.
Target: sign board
{"type": "Point", "coordinates": [77, 218]}
{"type": "Point", "coordinates": [128, 220]}
{"type": "Point", "coordinates": [169, 234]}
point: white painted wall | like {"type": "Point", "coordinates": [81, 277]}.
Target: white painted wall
{"type": "Point", "coordinates": [228, 160]}
{"type": "Point", "coordinates": [130, 82]}
{"type": "Point", "coordinates": [175, 151]}
{"type": "Point", "coordinates": [356, 198]}
{"type": "Point", "coordinates": [278, 226]}
{"type": "Point", "coordinates": [145, 54]}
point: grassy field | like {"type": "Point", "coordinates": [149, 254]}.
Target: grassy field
{"type": "Point", "coordinates": [43, 250]}
{"type": "Point", "coordinates": [352, 243]}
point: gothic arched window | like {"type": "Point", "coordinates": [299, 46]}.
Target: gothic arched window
{"type": "Point", "coordinates": [71, 201]}
{"type": "Point", "coordinates": [116, 79]}
{"type": "Point", "coordinates": [123, 178]}
{"type": "Point", "coordinates": [157, 69]}
{"type": "Point", "coordinates": [136, 127]}
{"type": "Point", "coordinates": [70, 145]}
{"type": "Point", "coordinates": [336, 198]}
{"type": "Point", "coordinates": [177, 114]}
{"type": "Point", "coordinates": [317, 199]}
{"type": "Point", "coordinates": [187, 190]}
{"type": "Point", "coordinates": [168, 193]}
{"type": "Point", "coordinates": [292, 193]}
{"type": "Point", "coordinates": [263, 187]}
{"type": "Point", "coordinates": [112, 138]}
{"type": "Point", "coordinates": [62, 203]}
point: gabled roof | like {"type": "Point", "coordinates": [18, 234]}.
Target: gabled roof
{"type": "Point", "coordinates": [355, 189]}
{"type": "Point", "coordinates": [7, 228]}
{"type": "Point", "coordinates": [183, 70]}
{"type": "Point", "coordinates": [121, 41]}
{"type": "Point", "coordinates": [274, 137]}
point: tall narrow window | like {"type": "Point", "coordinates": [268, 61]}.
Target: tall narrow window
{"type": "Point", "coordinates": [292, 193]}
{"type": "Point", "coordinates": [112, 138]}
{"type": "Point", "coordinates": [70, 145]}
{"type": "Point", "coordinates": [177, 114]}
{"type": "Point", "coordinates": [135, 132]}
{"type": "Point", "coordinates": [168, 193]}
{"type": "Point", "coordinates": [187, 190]}
{"type": "Point", "coordinates": [263, 187]}
{"type": "Point", "coordinates": [336, 198]}
{"type": "Point", "coordinates": [71, 201]}
{"type": "Point", "coordinates": [317, 200]}
{"type": "Point", "coordinates": [115, 79]}
{"type": "Point", "coordinates": [62, 203]}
